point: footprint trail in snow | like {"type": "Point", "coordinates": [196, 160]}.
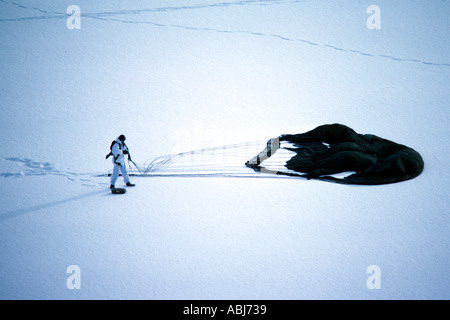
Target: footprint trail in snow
{"type": "Point", "coordinates": [22, 167]}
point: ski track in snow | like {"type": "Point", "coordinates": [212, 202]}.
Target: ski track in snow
{"type": "Point", "coordinates": [156, 10]}
{"type": "Point", "coordinates": [29, 167]}
{"type": "Point", "coordinates": [111, 16]}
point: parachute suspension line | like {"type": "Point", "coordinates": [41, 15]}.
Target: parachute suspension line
{"type": "Point", "coordinates": [228, 160]}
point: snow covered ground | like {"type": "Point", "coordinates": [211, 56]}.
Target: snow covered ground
{"type": "Point", "coordinates": [181, 75]}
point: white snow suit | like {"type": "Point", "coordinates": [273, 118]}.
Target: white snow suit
{"type": "Point", "coordinates": [119, 162]}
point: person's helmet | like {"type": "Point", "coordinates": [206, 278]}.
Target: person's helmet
{"type": "Point", "coordinates": [122, 138]}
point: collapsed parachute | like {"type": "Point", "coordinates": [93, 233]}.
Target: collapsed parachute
{"type": "Point", "coordinates": [317, 154]}
{"type": "Point", "coordinates": [336, 148]}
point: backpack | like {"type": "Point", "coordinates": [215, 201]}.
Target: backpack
{"type": "Point", "coordinates": [110, 149]}
{"type": "Point", "coordinates": [112, 145]}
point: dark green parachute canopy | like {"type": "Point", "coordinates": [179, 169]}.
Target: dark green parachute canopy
{"type": "Point", "coordinates": [336, 148]}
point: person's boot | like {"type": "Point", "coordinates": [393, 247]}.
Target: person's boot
{"type": "Point", "coordinates": [129, 184]}
{"type": "Point", "coordinates": [111, 186]}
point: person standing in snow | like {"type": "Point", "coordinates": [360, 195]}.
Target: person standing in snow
{"type": "Point", "coordinates": [118, 150]}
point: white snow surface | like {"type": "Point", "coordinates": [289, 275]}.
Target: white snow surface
{"type": "Point", "coordinates": [182, 75]}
